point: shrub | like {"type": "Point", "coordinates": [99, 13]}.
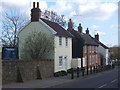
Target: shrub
{"type": "Point", "coordinates": [60, 73]}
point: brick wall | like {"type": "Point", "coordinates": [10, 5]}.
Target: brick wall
{"type": "Point", "coordinates": [17, 70]}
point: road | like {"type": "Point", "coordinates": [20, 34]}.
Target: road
{"type": "Point", "coordinates": [107, 79]}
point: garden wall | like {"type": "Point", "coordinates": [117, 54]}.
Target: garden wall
{"type": "Point", "coordinates": [25, 70]}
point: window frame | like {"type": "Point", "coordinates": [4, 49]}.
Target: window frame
{"type": "Point", "coordinates": [60, 61]}
{"type": "Point", "coordinates": [66, 41]}
{"type": "Point", "coordinates": [60, 41]}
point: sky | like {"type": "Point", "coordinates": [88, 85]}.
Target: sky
{"type": "Point", "coordinates": [99, 16]}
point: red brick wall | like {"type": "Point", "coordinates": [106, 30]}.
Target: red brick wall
{"type": "Point", "coordinates": [91, 51]}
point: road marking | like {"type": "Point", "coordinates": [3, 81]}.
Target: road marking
{"type": "Point", "coordinates": [102, 86]}
{"type": "Point", "coordinates": [113, 81]}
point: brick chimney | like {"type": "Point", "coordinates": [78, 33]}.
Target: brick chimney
{"type": "Point", "coordinates": [35, 12]}
{"type": "Point", "coordinates": [87, 31]}
{"type": "Point", "coordinates": [70, 25]}
{"type": "Point", "coordinates": [97, 36]}
{"type": "Point", "coordinates": [80, 28]}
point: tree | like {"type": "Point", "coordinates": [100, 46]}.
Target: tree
{"type": "Point", "coordinates": [54, 17]}
{"type": "Point", "coordinates": [12, 21]}
{"type": "Point", "coordinates": [37, 46]}
{"type": "Point", "coordinates": [114, 53]}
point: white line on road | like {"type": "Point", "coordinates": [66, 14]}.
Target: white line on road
{"type": "Point", "coordinates": [102, 86]}
{"type": "Point", "coordinates": [113, 81]}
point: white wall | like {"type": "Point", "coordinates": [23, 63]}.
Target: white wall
{"type": "Point", "coordinates": [63, 50]}
{"type": "Point", "coordinates": [58, 50]}
{"type": "Point", "coordinates": [76, 62]}
{"type": "Point", "coordinates": [104, 52]}
{"type": "Point", "coordinates": [107, 56]}
{"type": "Point", "coordinates": [30, 28]}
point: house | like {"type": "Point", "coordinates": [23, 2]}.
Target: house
{"type": "Point", "coordinates": [103, 52]}
{"type": "Point", "coordinates": [84, 46]}
{"type": "Point", "coordinates": [62, 54]}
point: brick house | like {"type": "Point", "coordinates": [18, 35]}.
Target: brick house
{"type": "Point", "coordinates": [83, 45]}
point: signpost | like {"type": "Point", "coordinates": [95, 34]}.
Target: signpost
{"type": "Point", "coordinates": [9, 53]}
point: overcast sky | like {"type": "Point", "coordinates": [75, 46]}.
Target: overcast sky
{"type": "Point", "coordinates": [100, 16]}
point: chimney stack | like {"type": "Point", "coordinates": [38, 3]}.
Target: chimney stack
{"type": "Point", "coordinates": [87, 31]}
{"type": "Point", "coordinates": [35, 12]}
{"type": "Point", "coordinates": [97, 36]}
{"type": "Point", "coordinates": [37, 4]}
{"type": "Point", "coordinates": [33, 4]}
{"type": "Point", "coordinates": [80, 28]}
{"type": "Point", "coordinates": [70, 25]}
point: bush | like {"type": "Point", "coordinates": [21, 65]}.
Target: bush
{"type": "Point", "coordinates": [60, 73]}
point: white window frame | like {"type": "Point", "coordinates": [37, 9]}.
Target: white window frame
{"type": "Point", "coordinates": [66, 41]}
{"type": "Point", "coordinates": [60, 41]}
{"type": "Point", "coordinates": [60, 61]}
{"type": "Point", "coordinates": [90, 62]}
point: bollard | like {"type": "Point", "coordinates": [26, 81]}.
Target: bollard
{"type": "Point", "coordinates": [94, 69]}
{"type": "Point", "coordinates": [78, 71]}
{"type": "Point", "coordinates": [113, 66]}
{"type": "Point", "coordinates": [83, 69]}
{"type": "Point", "coordinates": [90, 69]}
{"type": "Point", "coordinates": [72, 73]}
{"type": "Point", "coordinates": [99, 68]}
{"type": "Point", "coordinates": [87, 71]}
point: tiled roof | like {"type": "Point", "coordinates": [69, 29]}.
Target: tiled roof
{"type": "Point", "coordinates": [88, 40]}
{"type": "Point", "coordinates": [103, 45]}
{"type": "Point", "coordinates": [59, 29]}
{"type": "Point", "coordinates": [76, 34]}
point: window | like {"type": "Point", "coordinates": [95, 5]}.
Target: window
{"type": "Point", "coordinates": [60, 61]}
{"type": "Point", "coordinates": [66, 40]}
{"type": "Point", "coordinates": [90, 60]}
{"type": "Point", "coordinates": [92, 48]}
{"type": "Point", "coordinates": [60, 40]}
{"type": "Point", "coordinates": [84, 49]}
{"type": "Point", "coordinates": [96, 59]}
{"type": "Point", "coordinates": [89, 48]}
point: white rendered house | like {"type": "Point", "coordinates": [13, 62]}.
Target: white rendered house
{"type": "Point", "coordinates": [62, 54]}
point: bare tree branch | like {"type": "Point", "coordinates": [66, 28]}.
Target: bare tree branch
{"type": "Point", "coordinates": [12, 21]}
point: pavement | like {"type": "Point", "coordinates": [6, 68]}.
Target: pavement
{"type": "Point", "coordinates": [49, 82]}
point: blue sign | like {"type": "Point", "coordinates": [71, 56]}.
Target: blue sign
{"type": "Point", "coordinates": [9, 53]}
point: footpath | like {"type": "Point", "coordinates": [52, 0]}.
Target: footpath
{"type": "Point", "coordinates": [50, 82]}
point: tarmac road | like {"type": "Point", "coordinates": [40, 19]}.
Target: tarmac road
{"type": "Point", "coordinates": [104, 80]}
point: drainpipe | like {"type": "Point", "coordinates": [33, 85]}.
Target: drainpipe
{"type": "Point", "coordinates": [87, 59]}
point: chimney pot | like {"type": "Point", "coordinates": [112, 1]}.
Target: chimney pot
{"type": "Point", "coordinates": [33, 4]}
{"type": "Point", "coordinates": [37, 4]}
{"type": "Point", "coordinates": [35, 12]}
{"type": "Point", "coordinates": [80, 28]}
{"type": "Point", "coordinates": [70, 25]}
{"type": "Point", "coordinates": [87, 31]}
{"type": "Point", "coordinates": [97, 37]}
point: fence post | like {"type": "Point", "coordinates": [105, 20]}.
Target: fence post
{"type": "Point", "coordinates": [87, 70]}
{"type": "Point", "coordinates": [94, 69]}
{"type": "Point", "coordinates": [90, 69]}
{"type": "Point", "coordinates": [78, 71]}
{"type": "Point", "coordinates": [82, 71]}
{"type": "Point", "coordinates": [72, 73]}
